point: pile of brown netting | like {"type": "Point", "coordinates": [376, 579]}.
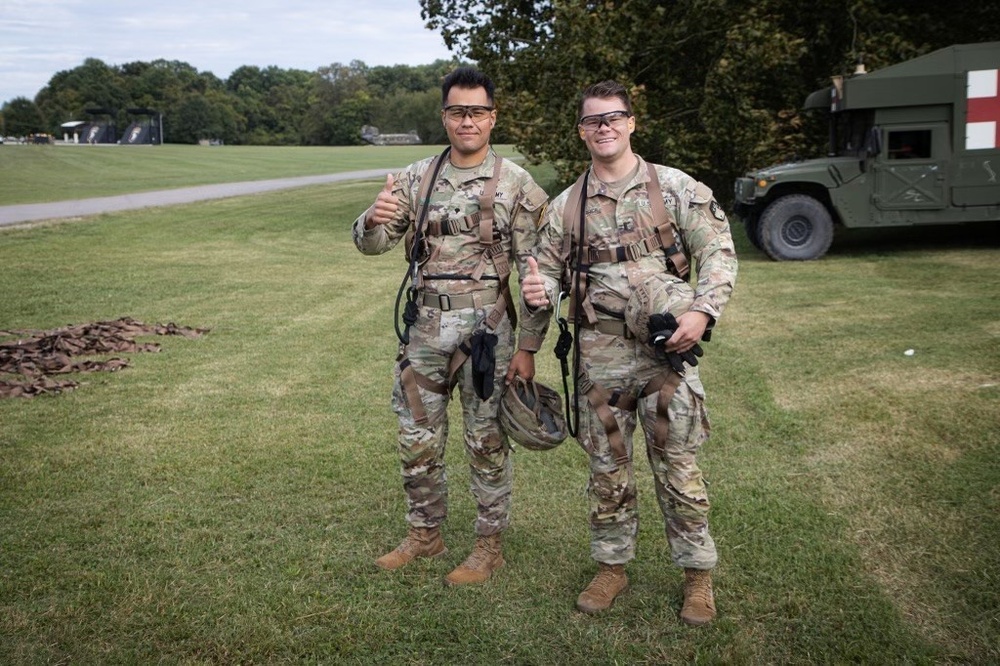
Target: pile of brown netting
{"type": "Point", "coordinates": [38, 354]}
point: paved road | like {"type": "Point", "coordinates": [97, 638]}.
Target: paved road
{"type": "Point", "coordinates": [81, 207]}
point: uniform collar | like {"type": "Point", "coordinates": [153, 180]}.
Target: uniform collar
{"type": "Point", "coordinates": [483, 170]}
{"type": "Point", "coordinates": [641, 177]}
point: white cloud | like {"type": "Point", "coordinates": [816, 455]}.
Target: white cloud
{"type": "Point", "coordinates": [39, 38]}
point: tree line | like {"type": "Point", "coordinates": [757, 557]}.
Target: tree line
{"type": "Point", "coordinates": [254, 105]}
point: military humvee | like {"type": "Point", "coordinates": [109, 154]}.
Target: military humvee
{"type": "Point", "coordinates": [914, 143]}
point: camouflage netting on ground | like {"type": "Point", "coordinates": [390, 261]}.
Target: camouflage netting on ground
{"type": "Point", "coordinates": [38, 354]}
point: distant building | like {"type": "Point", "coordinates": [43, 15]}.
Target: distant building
{"type": "Point", "coordinates": [371, 134]}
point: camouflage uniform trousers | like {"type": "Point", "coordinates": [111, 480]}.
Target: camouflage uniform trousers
{"type": "Point", "coordinates": [618, 363]}
{"type": "Point", "coordinates": [433, 340]}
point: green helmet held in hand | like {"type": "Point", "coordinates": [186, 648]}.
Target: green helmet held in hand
{"type": "Point", "coordinates": [651, 312]}
{"type": "Point", "coordinates": [531, 414]}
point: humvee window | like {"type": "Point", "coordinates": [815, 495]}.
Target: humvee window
{"type": "Point", "coordinates": [910, 144]}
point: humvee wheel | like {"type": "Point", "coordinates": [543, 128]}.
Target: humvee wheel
{"type": "Point", "coordinates": [795, 228]}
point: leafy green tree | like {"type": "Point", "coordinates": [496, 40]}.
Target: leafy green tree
{"type": "Point", "coordinates": [202, 116]}
{"type": "Point", "coordinates": [717, 85]}
{"type": "Point", "coordinates": [71, 92]}
{"type": "Point", "coordinates": [272, 102]}
{"type": "Point", "coordinates": [406, 111]}
{"type": "Point", "coordinates": [22, 117]}
{"type": "Point", "coordinates": [339, 105]}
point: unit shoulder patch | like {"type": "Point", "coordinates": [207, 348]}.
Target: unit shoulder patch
{"type": "Point", "coordinates": [534, 198]}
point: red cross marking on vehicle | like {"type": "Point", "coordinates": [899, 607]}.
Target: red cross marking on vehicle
{"type": "Point", "coordinates": [982, 115]}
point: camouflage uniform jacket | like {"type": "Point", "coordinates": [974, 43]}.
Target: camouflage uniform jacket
{"type": "Point", "coordinates": [517, 207]}
{"type": "Point", "coordinates": [701, 232]}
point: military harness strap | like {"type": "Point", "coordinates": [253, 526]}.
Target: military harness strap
{"type": "Point", "coordinates": [493, 252]}
{"type": "Point", "coordinates": [666, 383]}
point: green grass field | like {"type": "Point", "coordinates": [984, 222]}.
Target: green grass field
{"type": "Point", "coordinates": [221, 501]}
{"type": "Point", "coordinates": [44, 173]}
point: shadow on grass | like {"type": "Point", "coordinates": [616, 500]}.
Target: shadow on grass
{"type": "Point", "coordinates": [861, 242]}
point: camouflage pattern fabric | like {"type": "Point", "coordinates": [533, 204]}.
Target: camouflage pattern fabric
{"type": "Point", "coordinates": [702, 233]}
{"type": "Point", "coordinates": [38, 354]}
{"type": "Point", "coordinates": [616, 362]}
{"type": "Point", "coordinates": [421, 449]}
{"type": "Point", "coordinates": [518, 206]}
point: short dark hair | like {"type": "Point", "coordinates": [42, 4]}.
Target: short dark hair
{"type": "Point", "coordinates": [467, 77]}
{"type": "Point", "coordinates": [606, 90]}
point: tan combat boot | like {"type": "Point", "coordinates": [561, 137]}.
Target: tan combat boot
{"type": "Point", "coordinates": [699, 602]}
{"type": "Point", "coordinates": [419, 542]}
{"type": "Point", "coordinates": [609, 582]}
{"type": "Point", "coordinates": [484, 559]}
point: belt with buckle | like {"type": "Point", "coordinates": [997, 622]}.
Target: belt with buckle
{"type": "Point", "coordinates": [446, 302]}
{"type": "Point", "coordinates": [609, 327]}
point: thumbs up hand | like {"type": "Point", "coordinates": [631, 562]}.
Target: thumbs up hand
{"type": "Point", "coordinates": [386, 204]}
{"type": "Point", "coordinates": [533, 286]}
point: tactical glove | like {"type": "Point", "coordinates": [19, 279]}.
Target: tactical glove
{"type": "Point", "coordinates": [661, 328]}
{"type": "Point", "coordinates": [483, 359]}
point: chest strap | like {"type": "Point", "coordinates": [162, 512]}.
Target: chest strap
{"type": "Point", "coordinates": [482, 218]}
{"type": "Point", "coordinates": [661, 238]}
{"type": "Point", "coordinates": [493, 252]}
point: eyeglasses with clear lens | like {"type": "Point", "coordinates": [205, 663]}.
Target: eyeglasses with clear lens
{"type": "Point", "coordinates": [594, 122]}
{"type": "Point", "coordinates": [458, 112]}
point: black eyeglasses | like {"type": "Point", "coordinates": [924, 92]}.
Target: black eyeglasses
{"type": "Point", "coordinates": [474, 111]}
{"type": "Point", "coordinates": [594, 122]}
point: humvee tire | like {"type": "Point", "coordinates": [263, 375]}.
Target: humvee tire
{"type": "Point", "coordinates": [795, 227]}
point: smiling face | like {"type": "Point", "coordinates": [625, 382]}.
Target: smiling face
{"type": "Point", "coordinates": [469, 138]}
{"type": "Point", "coordinates": [611, 141]}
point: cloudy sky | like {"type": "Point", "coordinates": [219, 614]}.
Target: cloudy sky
{"type": "Point", "coordinates": [41, 37]}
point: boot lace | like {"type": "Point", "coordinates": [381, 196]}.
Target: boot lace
{"type": "Point", "coordinates": [699, 592]}
{"type": "Point", "coordinates": [480, 555]}
{"type": "Point", "coordinates": [602, 583]}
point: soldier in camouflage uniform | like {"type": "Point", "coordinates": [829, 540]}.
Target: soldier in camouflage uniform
{"type": "Point", "coordinates": [619, 222]}
{"type": "Point", "coordinates": [461, 289]}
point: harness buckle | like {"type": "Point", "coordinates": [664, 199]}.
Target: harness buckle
{"type": "Point", "coordinates": [635, 251]}
{"type": "Point", "coordinates": [444, 302]}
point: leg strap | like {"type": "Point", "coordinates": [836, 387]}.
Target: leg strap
{"type": "Point", "coordinates": [602, 400]}
{"type": "Point", "coordinates": [665, 385]}
{"type": "Point", "coordinates": [410, 380]}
